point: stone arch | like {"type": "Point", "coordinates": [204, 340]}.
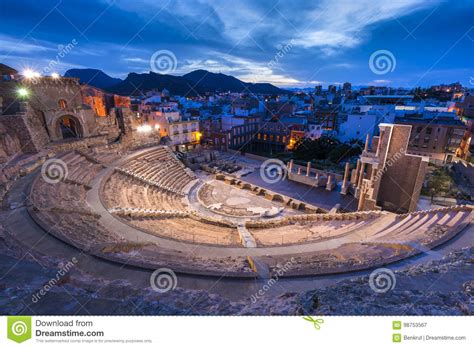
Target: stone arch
{"type": "Point", "coordinates": [69, 126]}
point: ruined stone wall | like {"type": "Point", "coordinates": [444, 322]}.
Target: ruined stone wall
{"type": "Point", "coordinates": [56, 98]}
{"type": "Point", "coordinates": [97, 104]}
{"type": "Point", "coordinates": [47, 92]}
{"type": "Point", "coordinates": [403, 175]}
{"type": "Point", "coordinates": [29, 129]}
{"type": "Point", "coordinates": [10, 147]}
{"type": "Point", "coordinates": [9, 143]}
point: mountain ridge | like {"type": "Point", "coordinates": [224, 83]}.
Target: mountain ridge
{"type": "Point", "coordinates": [93, 77]}
{"type": "Point", "coordinates": [194, 83]}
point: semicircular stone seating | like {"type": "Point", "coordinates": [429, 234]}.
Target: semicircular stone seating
{"type": "Point", "coordinates": [159, 168]}
{"type": "Point", "coordinates": [147, 192]}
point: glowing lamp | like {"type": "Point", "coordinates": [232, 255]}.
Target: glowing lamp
{"type": "Point", "coordinates": [30, 74]}
{"type": "Point", "coordinates": [144, 129]}
{"type": "Point", "coordinates": [55, 75]}
{"type": "Point", "coordinates": [22, 92]}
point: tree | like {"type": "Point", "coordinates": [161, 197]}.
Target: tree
{"type": "Point", "coordinates": [318, 149]}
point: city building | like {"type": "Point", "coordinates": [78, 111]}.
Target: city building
{"type": "Point", "coordinates": [436, 136]}
{"type": "Point", "coordinates": [363, 120]}
{"type": "Point", "coordinates": [241, 130]}
{"type": "Point", "coordinates": [181, 132]}
{"type": "Point", "coordinates": [327, 116]}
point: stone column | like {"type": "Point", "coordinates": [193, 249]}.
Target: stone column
{"type": "Point", "coordinates": [378, 144]}
{"type": "Point", "coordinates": [299, 170]}
{"type": "Point", "coordinates": [367, 138]}
{"type": "Point", "coordinates": [361, 175]}
{"type": "Point", "coordinates": [308, 168]}
{"type": "Point", "coordinates": [361, 200]}
{"type": "Point", "coordinates": [357, 172]}
{"type": "Point", "coordinates": [290, 166]}
{"type": "Point", "coordinates": [345, 182]}
{"type": "Point", "coordinates": [330, 183]}
{"type": "Point", "coordinates": [374, 174]}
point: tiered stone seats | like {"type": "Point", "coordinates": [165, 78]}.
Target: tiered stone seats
{"type": "Point", "coordinates": [79, 169]}
{"type": "Point", "coordinates": [121, 191]}
{"type": "Point", "coordinates": [61, 206]}
{"type": "Point", "coordinates": [61, 195]}
{"type": "Point", "coordinates": [159, 168]}
{"type": "Point", "coordinates": [425, 227]}
{"type": "Point", "coordinates": [151, 256]}
{"type": "Point", "coordinates": [149, 197]}
{"type": "Point", "coordinates": [293, 230]}
{"type": "Point", "coordinates": [82, 230]}
{"type": "Point", "coordinates": [416, 228]}
{"type": "Point", "coordinates": [143, 213]}
{"type": "Point", "coordinates": [105, 158]}
{"type": "Point", "coordinates": [190, 230]}
{"type": "Point", "coordinates": [383, 242]}
{"type": "Point", "coordinates": [68, 194]}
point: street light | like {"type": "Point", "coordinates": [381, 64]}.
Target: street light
{"type": "Point", "coordinates": [30, 74]}
{"type": "Point", "coordinates": [22, 92]}
{"type": "Point", "coordinates": [144, 129]}
{"type": "Point", "coordinates": [55, 75]}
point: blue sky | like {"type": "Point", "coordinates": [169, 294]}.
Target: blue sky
{"type": "Point", "coordinates": [288, 43]}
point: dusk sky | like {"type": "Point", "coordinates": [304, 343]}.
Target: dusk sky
{"type": "Point", "coordinates": [320, 42]}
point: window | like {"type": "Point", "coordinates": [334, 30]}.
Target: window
{"type": "Point", "coordinates": [429, 130]}
{"type": "Point", "coordinates": [62, 104]}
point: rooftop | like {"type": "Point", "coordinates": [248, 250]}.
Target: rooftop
{"type": "Point", "coordinates": [433, 120]}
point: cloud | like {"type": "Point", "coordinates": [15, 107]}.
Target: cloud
{"type": "Point", "coordinates": [331, 40]}
{"type": "Point", "coordinates": [11, 45]}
